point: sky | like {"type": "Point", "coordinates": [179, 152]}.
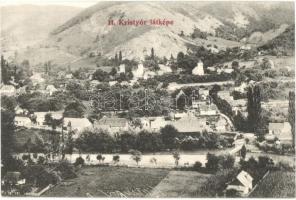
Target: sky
{"type": "Point", "coordinates": [76, 3]}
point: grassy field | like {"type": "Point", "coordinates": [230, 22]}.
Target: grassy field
{"type": "Point", "coordinates": [277, 184]}
{"type": "Point", "coordinates": [180, 184]}
{"type": "Point", "coordinates": [110, 182]}
{"type": "Point", "coordinates": [22, 135]}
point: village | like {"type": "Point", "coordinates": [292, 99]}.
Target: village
{"type": "Point", "coordinates": [197, 103]}
{"type": "Point", "coordinates": [193, 110]}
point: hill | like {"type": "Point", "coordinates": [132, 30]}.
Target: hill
{"type": "Point", "coordinates": [25, 25]}
{"type": "Point", "coordinates": [282, 44]}
{"type": "Point", "coordinates": [226, 25]}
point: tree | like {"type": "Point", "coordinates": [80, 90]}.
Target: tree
{"type": "Point", "coordinates": [116, 158]}
{"type": "Point", "coordinates": [243, 152]}
{"type": "Point", "coordinates": [291, 115]}
{"type": "Point", "coordinates": [212, 162]}
{"type": "Point", "coordinates": [74, 109]}
{"type": "Point", "coordinates": [152, 54]}
{"type": "Point", "coordinates": [120, 57]}
{"type": "Point", "coordinates": [116, 60]}
{"type": "Point", "coordinates": [79, 161]}
{"type": "Point", "coordinates": [100, 75]}
{"type": "Point", "coordinates": [168, 135]}
{"type": "Point", "coordinates": [113, 71]}
{"type": "Point", "coordinates": [176, 156]}
{"type": "Point", "coordinates": [254, 110]}
{"type": "Point", "coordinates": [136, 155]}
{"type": "Point", "coordinates": [95, 140]}
{"type": "Point", "coordinates": [100, 157]}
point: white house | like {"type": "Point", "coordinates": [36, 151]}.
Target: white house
{"type": "Point", "coordinates": [76, 124]}
{"type": "Point", "coordinates": [50, 89]}
{"type": "Point", "coordinates": [36, 78]}
{"type": "Point", "coordinates": [243, 183]}
{"type": "Point", "coordinates": [139, 72]}
{"type": "Point", "coordinates": [198, 70]}
{"type": "Point", "coordinates": [40, 116]}
{"type": "Point", "coordinates": [121, 69]}
{"type": "Point", "coordinates": [8, 90]}
{"type": "Point", "coordinates": [112, 124]}
{"type": "Point", "coordinates": [22, 121]}
{"type": "Point", "coordinates": [242, 88]}
{"type": "Point", "coordinates": [282, 131]}
{"type": "Point", "coordinates": [163, 69]}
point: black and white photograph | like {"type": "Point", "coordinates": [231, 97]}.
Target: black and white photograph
{"type": "Point", "coordinates": [147, 99]}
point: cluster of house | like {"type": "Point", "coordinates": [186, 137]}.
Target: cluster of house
{"type": "Point", "coordinates": [242, 184]}
{"type": "Point", "coordinates": [277, 130]}
{"type": "Point", "coordinates": [186, 122]}
{"type": "Point", "coordinates": [237, 105]}
{"type": "Point", "coordinates": [38, 82]}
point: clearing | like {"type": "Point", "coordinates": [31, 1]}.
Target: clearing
{"type": "Point", "coordinates": [277, 184]}
{"type": "Point", "coordinates": [109, 182]}
{"type": "Point", "coordinates": [180, 184]}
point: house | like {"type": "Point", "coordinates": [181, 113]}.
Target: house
{"type": "Point", "coordinates": [208, 109]}
{"type": "Point", "coordinates": [282, 131]}
{"type": "Point", "coordinates": [112, 124]}
{"type": "Point", "coordinates": [50, 89]}
{"type": "Point", "coordinates": [190, 124]}
{"type": "Point", "coordinates": [198, 70]}
{"type": "Point", "coordinates": [227, 70]}
{"type": "Point", "coordinates": [242, 88]}
{"type": "Point", "coordinates": [14, 178]}
{"type": "Point", "coordinates": [149, 74]}
{"type": "Point", "coordinates": [111, 83]}
{"type": "Point", "coordinates": [22, 121]}
{"type": "Point", "coordinates": [19, 111]}
{"type": "Point", "coordinates": [221, 125]}
{"type": "Point", "coordinates": [243, 183]}
{"type": "Point", "coordinates": [245, 47]}
{"type": "Point", "coordinates": [138, 72]}
{"type": "Point", "coordinates": [163, 69]}
{"type": "Point", "coordinates": [69, 76]}
{"type": "Point", "coordinates": [7, 90]}
{"type": "Point", "coordinates": [156, 123]}
{"type": "Point", "coordinates": [121, 69]}
{"type": "Point", "coordinates": [76, 124]}
{"type": "Point", "coordinates": [36, 78]}
{"type": "Point", "coordinates": [40, 116]}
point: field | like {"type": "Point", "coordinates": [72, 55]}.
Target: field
{"type": "Point", "coordinates": [180, 184]}
{"type": "Point", "coordinates": [110, 182]}
{"type": "Point", "coordinates": [22, 135]}
{"type": "Point", "coordinates": [277, 184]}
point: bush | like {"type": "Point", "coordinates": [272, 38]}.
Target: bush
{"type": "Point", "coordinates": [197, 166]}
{"type": "Point", "coordinates": [116, 158]}
{"type": "Point", "coordinates": [35, 155]}
{"type": "Point", "coordinates": [79, 161]}
{"type": "Point", "coordinates": [66, 170]}
{"type": "Point", "coordinates": [41, 160]}
{"type": "Point", "coordinates": [26, 157]}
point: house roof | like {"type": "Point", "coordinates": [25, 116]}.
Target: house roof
{"type": "Point", "coordinates": [8, 87]}
{"type": "Point", "coordinates": [55, 115]}
{"type": "Point", "coordinates": [111, 122]}
{"type": "Point", "coordinates": [245, 179]}
{"type": "Point", "coordinates": [20, 118]}
{"type": "Point", "coordinates": [77, 122]}
{"type": "Point", "coordinates": [51, 87]}
{"type": "Point", "coordinates": [189, 124]}
{"type": "Point", "coordinates": [281, 130]}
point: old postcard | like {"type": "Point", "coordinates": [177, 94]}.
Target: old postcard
{"type": "Point", "coordinates": [147, 99]}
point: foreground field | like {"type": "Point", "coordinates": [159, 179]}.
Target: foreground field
{"type": "Point", "coordinates": [180, 184]}
{"type": "Point", "coordinates": [110, 182]}
{"type": "Point", "coordinates": [277, 184]}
